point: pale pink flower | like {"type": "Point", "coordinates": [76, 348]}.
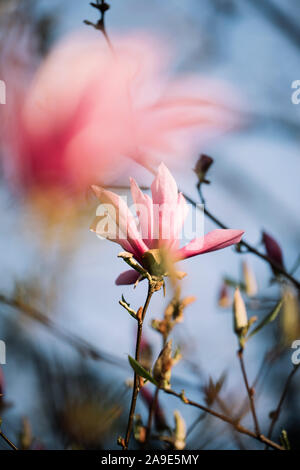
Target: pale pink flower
{"type": "Point", "coordinates": [162, 231]}
{"type": "Point", "coordinates": [88, 108]}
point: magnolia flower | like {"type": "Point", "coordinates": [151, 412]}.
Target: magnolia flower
{"type": "Point", "coordinates": [160, 219]}
{"type": "Point", "coordinates": [87, 108]}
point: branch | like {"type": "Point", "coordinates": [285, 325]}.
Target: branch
{"type": "Point", "coordinates": [11, 445]}
{"type": "Point", "coordinates": [279, 18]}
{"type": "Point", "coordinates": [245, 244]}
{"type": "Point", "coordinates": [136, 386]}
{"type": "Point", "coordinates": [250, 392]}
{"type": "Point", "coordinates": [238, 427]}
{"type": "Point", "coordinates": [276, 413]}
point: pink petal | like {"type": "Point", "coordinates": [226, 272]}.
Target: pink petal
{"type": "Point", "coordinates": [122, 224]}
{"type": "Point", "coordinates": [212, 241]}
{"type": "Point", "coordinates": [127, 278]}
{"type": "Point", "coordinates": [165, 196]}
{"type": "Point", "coordinates": [181, 213]}
{"type": "Point", "coordinates": [144, 208]}
{"type": "Point", "coordinates": [164, 187]}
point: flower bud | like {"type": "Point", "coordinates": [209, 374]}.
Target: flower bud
{"type": "Point", "coordinates": [290, 318]}
{"type": "Point", "coordinates": [180, 431]}
{"type": "Point", "coordinates": [163, 366]}
{"type": "Point", "coordinates": [250, 280]}
{"type": "Point", "coordinates": [224, 297]}
{"type": "Point", "coordinates": [273, 250]}
{"type": "Point", "coordinates": [202, 166]}
{"type": "Point", "coordinates": [239, 312]}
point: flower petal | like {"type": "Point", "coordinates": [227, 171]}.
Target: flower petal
{"type": "Point", "coordinates": [164, 188]}
{"type": "Point", "coordinates": [212, 241]}
{"type": "Point", "coordinates": [144, 208]}
{"type": "Point", "coordinates": [181, 213]}
{"type": "Point", "coordinates": [127, 278]}
{"type": "Point", "coordinates": [121, 225]}
{"type": "Point", "coordinates": [165, 196]}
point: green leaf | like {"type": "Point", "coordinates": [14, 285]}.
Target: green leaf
{"type": "Point", "coordinates": [139, 370]}
{"type": "Point", "coordinates": [268, 319]}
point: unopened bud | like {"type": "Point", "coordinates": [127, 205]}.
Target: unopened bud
{"type": "Point", "coordinates": [139, 430]}
{"type": "Point", "coordinates": [163, 367]}
{"type": "Point", "coordinates": [239, 313]}
{"type": "Point", "coordinates": [250, 280]}
{"type": "Point", "coordinates": [180, 431]}
{"type": "Point", "coordinates": [224, 297]}
{"type": "Point", "coordinates": [273, 250]}
{"type": "Point", "coordinates": [290, 318]}
{"type": "Point", "coordinates": [203, 165]}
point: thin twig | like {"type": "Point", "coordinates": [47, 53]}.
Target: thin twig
{"type": "Point", "coordinates": [245, 244]}
{"type": "Point", "coordinates": [226, 419]}
{"type": "Point", "coordinates": [81, 345]}
{"type": "Point", "coordinates": [135, 391]}
{"type": "Point", "coordinates": [102, 7]}
{"type": "Point", "coordinates": [11, 445]}
{"type": "Point", "coordinates": [249, 391]}
{"type": "Point", "coordinates": [276, 413]}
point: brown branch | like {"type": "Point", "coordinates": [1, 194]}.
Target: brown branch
{"type": "Point", "coordinates": [226, 419]}
{"type": "Point", "coordinates": [135, 391]}
{"type": "Point", "coordinates": [102, 7]}
{"type": "Point", "coordinates": [276, 413]}
{"type": "Point", "coordinates": [11, 445]}
{"type": "Point", "coordinates": [250, 392]}
{"type": "Point", "coordinates": [279, 18]}
{"type": "Point", "coordinates": [245, 244]}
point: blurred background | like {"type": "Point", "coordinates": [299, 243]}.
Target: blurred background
{"type": "Point", "coordinates": [67, 338]}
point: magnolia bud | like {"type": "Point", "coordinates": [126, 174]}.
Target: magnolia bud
{"type": "Point", "coordinates": [239, 312]}
{"type": "Point", "coordinates": [202, 166]}
{"type": "Point", "coordinates": [180, 431]}
{"type": "Point", "coordinates": [163, 366]}
{"type": "Point", "coordinates": [290, 318]}
{"type": "Point", "coordinates": [224, 297]}
{"type": "Point", "coordinates": [273, 250]}
{"type": "Point", "coordinates": [249, 279]}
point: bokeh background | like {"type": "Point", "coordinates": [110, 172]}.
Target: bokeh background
{"type": "Point", "coordinates": [65, 377]}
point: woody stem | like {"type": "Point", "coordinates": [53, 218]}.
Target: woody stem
{"type": "Point", "coordinates": [135, 391]}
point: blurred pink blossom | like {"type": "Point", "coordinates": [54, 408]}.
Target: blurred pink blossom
{"type": "Point", "coordinates": [158, 232]}
{"type": "Point", "coordinates": [273, 249]}
{"type": "Point", "coordinates": [88, 108]}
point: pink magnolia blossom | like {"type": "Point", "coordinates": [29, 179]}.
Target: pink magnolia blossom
{"type": "Point", "coordinates": [161, 230]}
{"type": "Point", "coordinates": [87, 108]}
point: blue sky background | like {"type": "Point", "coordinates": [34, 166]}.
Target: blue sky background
{"type": "Point", "coordinates": [255, 186]}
